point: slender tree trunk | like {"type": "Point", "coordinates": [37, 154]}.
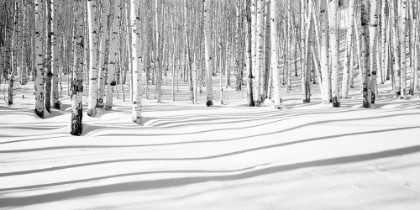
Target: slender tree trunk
{"type": "Point", "coordinates": [113, 65]}
{"type": "Point", "coordinates": [47, 60]}
{"type": "Point", "coordinates": [275, 54]}
{"type": "Point", "coordinates": [349, 51]}
{"type": "Point", "coordinates": [77, 83]}
{"type": "Point", "coordinates": [56, 4]}
{"type": "Point", "coordinates": [402, 30]}
{"type": "Point", "coordinates": [209, 67]}
{"type": "Point", "coordinates": [260, 50]}
{"type": "Point", "coordinates": [334, 43]}
{"type": "Point", "coordinates": [306, 89]}
{"type": "Point", "coordinates": [93, 44]}
{"type": "Point", "coordinates": [136, 60]}
{"type": "Point", "coordinates": [373, 24]}
{"type": "Point", "coordinates": [365, 52]}
{"type": "Point", "coordinates": [107, 14]}
{"type": "Point", "coordinates": [39, 68]}
{"type": "Point", "coordinates": [324, 53]}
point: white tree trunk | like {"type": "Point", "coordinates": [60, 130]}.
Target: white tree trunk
{"type": "Point", "coordinates": [373, 24]}
{"type": "Point", "coordinates": [77, 83]}
{"type": "Point", "coordinates": [349, 50]}
{"type": "Point", "coordinates": [334, 44]}
{"type": "Point", "coordinates": [113, 58]}
{"type": "Point", "coordinates": [102, 46]}
{"type": "Point", "coordinates": [56, 4]}
{"type": "Point", "coordinates": [260, 50]}
{"type": "Point", "coordinates": [324, 53]}
{"type": "Point", "coordinates": [402, 30]}
{"type": "Point", "coordinates": [136, 61]}
{"type": "Point", "coordinates": [39, 60]}
{"type": "Point", "coordinates": [209, 67]}
{"type": "Point", "coordinates": [275, 54]}
{"type": "Point", "coordinates": [93, 71]}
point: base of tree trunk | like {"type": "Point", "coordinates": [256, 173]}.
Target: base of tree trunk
{"type": "Point", "coordinates": [137, 120]}
{"type": "Point", "coordinates": [57, 105]}
{"type": "Point", "coordinates": [306, 100]}
{"type": "Point", "coordinates": [209, 103]}
{"type": "Point", "coordinates": [335, 102]}
{"type": "Point", "coordinates": [108, 107]}
{"type": "Point", "coordinates": [278, 106]}
{"type": "Point", "coordinates": [39, 114]}
{"type": "Point", "coordinates": [76, 123]}
{"type": "Point", "coordinates": [411, 91]}
{"type": "Point", "coordinates": [91, 112]}
{"type": "Point", "coordinates": [100, 103]}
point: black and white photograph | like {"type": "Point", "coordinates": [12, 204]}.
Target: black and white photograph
{"type": "Point", "coordinates": [209, 104]}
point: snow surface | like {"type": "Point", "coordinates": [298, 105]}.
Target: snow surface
{"type": "Point", "coordinates": [184, 156]}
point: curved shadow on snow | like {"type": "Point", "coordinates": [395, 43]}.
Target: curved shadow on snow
{"type": "Point", "coordinates": [176, 182]}
{"type": "Point", "coordinates": [200, 158]}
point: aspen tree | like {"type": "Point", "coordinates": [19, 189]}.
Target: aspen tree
{"type": "Point", "coordinates": [324, 52]}
{"type": "Point", "coordinates": [39, 68]}
{"type": "Point", "coordinates": [306, 91]}
{"type": "Point", "coordinates": [275, 53]}
{"type": "Point", "coordinates": [238, 46]}
{"type": "Point", "coordinates": [158, 54]}
{"type": "Point", "coordinates": [349, 52]}
{"type": "Point", "coordinates": [136, 61]}
{"type": "Point", "coordinates": [113, 56]}
{"type": "Point", "coordinates": [93, 72]}
{"type": "Point", "coordinates": [402, 30]}
{"type": "Point", "coordinates": [14, 9]}
{"type": "Point", "coordinates": [365, 52]}
{"type": "Point", "coordinates": [209, 68]}
{"type": "Point", "coordinates": [373, 24]}
{"type": "Point", "coordinates": [77, 83]}
{"type": "Point", "coordinates": [106, 20]}
{"type": "Point", "coordinates": [396, 47]}
{"type": "Point", "coordinates": [259, 50]}
{"type": "Point", "coordinates": [47, 60]}
{"type": "Point", "coordinates": [24, 46]}
{"type": "Point", "coordinates": [55, 5]}
{"type": "Point", "coordinates": [384, 43]}
{"type": "Point", "coordinates": [173, 57]}
{"type": "Point", "coordinates": [334, 44]}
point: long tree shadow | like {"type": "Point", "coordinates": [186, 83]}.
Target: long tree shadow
{"type": "Point", "coordinates": [176, 182]}
{"type": "Point", "coordinates": [204, 157]}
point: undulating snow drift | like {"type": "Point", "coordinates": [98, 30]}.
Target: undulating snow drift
{"type": "Point", "coordinates": [307, 156]}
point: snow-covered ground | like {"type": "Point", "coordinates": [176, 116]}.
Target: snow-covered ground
{"type": "Point", "coordinates": [184, 156]}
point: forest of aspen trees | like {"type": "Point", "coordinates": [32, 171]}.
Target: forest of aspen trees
{"type": "Point", "coordinates": [96, 46]}
{"type": "Point", "coordinates": [209, 104]}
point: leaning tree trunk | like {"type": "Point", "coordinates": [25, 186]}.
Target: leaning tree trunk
{"type": "Point", "coordinates": [275, 54]}
{"type": "Point", "coordinates": [334, 44]}
{"type": "Point", "coordinates": [93, 71]}
{"type": "Point", "coordinates": [365, 54]}
{"type": "Point", "coordinates": [209, 67]}
{"type": "Point", "coordinates": [136, 61]}
{"type": "Point", "coordinates": [77, 83]}
{"type": "Point", "coordinates": [39, 60]}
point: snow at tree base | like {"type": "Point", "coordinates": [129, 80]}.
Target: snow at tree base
{"type": "Point", "coordinates": [213, 104]}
